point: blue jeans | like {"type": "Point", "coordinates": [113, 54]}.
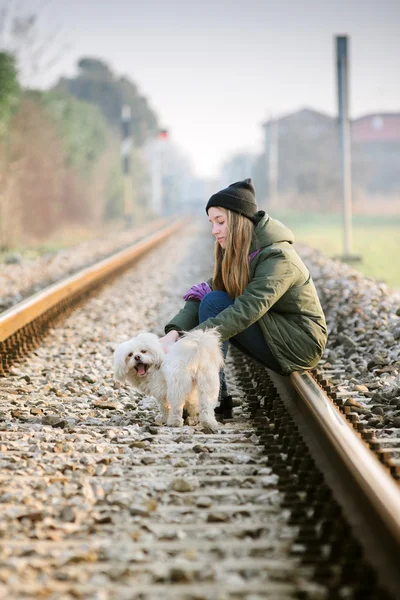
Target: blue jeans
{"type": "Point", "coordinates": [250, 341]}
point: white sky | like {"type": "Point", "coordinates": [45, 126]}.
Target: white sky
{"type": "Point", "coordinates": [214, 70]}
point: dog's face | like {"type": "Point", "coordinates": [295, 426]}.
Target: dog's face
{"type": "Point", "coordinates": [137, 357]}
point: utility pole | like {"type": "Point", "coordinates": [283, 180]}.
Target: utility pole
{"type": "Point", "coordinates": [273, 161]}
{"type": "Point", "coordinates": [163, 136]}
{"type": "Point", "coordinates": [344, 141]}
{"type": "Point", "coordinates": [272, 158]}
{"type": "Point", "coordinates": [126, 149]}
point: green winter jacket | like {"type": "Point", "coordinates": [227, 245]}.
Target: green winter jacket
{"type": "Point", "coordinates": [280, 296]}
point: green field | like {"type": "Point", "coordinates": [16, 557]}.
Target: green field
{"type": "Point", "coordinates": [375, 238]}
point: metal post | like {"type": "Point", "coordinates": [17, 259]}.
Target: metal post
{"type": "Point", "coordinates": [126, 149]}
{"type": "Point", "coordinates": [273, 162]}
{"type": "Point", "coordinates": [344, 139]}
{"type": "Point", "coordinates": [266, 165]}
{"type": "Point", "coordinates": [271, 154]}
{"type": "Point", "coordinates": [163, 136]}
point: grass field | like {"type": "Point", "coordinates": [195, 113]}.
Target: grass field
{"type": "Point", "coordinates": [375, 238]}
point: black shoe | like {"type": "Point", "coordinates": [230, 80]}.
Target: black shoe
{"type": "Point", "coordinates": [224, 409]}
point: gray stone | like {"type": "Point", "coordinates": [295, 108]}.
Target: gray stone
{"type": "Point", "coordinates": [182, 485]}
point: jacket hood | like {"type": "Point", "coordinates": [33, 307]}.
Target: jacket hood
{"type": "Point", "coordinates": [269, 231]}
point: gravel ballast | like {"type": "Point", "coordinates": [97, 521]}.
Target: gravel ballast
{"type": "Point", "coordinates": [20, 277]}
{"type": "Point", "coordinates": [76, 510]}
{"type": "Point", "coordinates": [363, 320]}
{"type": "Point", "coordinates": [97, 501]}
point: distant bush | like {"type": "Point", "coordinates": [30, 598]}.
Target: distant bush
{"type": "Point", "coordinates": [97, 84]}
{"type": "Point", "coordinates": [9, 89]}
{"type": "Point", "coordinates": [82, 127]}
{"type": "Point", "coordinates": [60, 163]}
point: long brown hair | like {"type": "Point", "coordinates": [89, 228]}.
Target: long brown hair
{"type": "Point", "coordinates": [231, 265]}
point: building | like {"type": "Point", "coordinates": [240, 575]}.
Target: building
{"type": "Point", "coordinates": [376, 153]}
{"type": "Point", "coordinates": [301, 158]}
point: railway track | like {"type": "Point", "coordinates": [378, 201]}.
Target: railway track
{"type": "Point", "coordinates": [100, 503]}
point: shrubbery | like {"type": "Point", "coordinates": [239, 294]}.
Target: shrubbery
{"type": "Point", "coordinates": [60, 162]}
{"type": "Point", "coordinates": [9, 90]}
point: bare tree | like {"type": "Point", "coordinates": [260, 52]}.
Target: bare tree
{"type": "Point", "coordinates": [22, 34]}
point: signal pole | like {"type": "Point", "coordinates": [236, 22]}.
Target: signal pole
{"type": "Point", "coordinates": [164, 172]}
{"type": "Point", "coordinates": [126, 148]}
{"type": "Point", "coordinates": [272, 159]}
{"type": "Point", "coordinates": [344, 141]}
{"type": "Point", "coordinates": [273, 162]}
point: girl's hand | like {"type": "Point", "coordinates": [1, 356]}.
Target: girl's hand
{"type": "Point", "coordinates": [168, 340]}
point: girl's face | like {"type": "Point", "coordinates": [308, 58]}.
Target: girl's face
{"type": "Point", "coordinates": [219, 224]}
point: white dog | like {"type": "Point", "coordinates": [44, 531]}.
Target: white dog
{"type": "Point", "coordinates": [187, 377]}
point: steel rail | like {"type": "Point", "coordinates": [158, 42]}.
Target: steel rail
{"type": "Point", "coordinates": [378, 495]}
{"type": "Point", "coordinates": [17, 317]}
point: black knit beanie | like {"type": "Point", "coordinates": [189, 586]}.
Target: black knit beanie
{"type": "Point", "coordinates": [239, 197]}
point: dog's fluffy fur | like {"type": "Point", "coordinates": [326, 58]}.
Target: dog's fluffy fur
{"type": "Point", "coordinates": [187, 377]}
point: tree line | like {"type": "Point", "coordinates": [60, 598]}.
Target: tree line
{"type": "Point", "coordinates": [59, 150]}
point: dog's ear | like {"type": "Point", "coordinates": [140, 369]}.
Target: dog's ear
{"type": "Point", "coordinates": [120, 369]}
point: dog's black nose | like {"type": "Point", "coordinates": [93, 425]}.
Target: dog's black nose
{"type": "Point", "coordinates": [137, 357]}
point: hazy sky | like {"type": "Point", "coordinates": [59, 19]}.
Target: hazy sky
{"type": "Point", "coordinates": [215, 70]}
